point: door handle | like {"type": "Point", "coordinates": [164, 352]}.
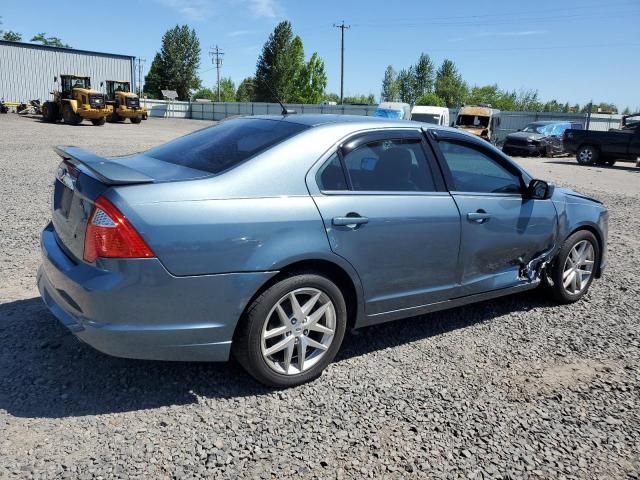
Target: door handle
{"type": "Point", "coordinates": [349, 221]}
{"type": "Point", "coordinates": [479, 217]}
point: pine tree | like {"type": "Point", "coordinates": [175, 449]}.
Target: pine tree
{"type": "Point", "coordinates": [449, 84]}
{"type": "Point", "coordinates": [153, 82]}
{"type": "Point", "coordinates": [390, 89]}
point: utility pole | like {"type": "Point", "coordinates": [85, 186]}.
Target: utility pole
{"type": "Point", "coordinates": [216, 57]}
{"type": "Point", "coordinates": [342, 27]}
{"type": "Point", "coordinates": [140, 67]}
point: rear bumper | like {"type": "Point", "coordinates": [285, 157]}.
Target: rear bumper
{"type": "Point", "coordinates": [136, 309]}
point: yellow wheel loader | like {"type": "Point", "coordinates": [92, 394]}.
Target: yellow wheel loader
{"type": "Point", "coordinates": [75, 101]}
{"type": "Point", "coordinates": [125, 104]}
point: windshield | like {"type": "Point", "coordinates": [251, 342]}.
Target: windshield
{"type": "Point", "coordinates": [223, 146]}
{"type": "Point", "coordinates": [389, 113]}
{"type": "Point", "coordinates": [472, 121]}
{"type": "Point", "coordinates": [433, 118]}
{"type": "Point", "coordinates": [120, 86]}
{"type": "Point", "coordinates": [541, 129]}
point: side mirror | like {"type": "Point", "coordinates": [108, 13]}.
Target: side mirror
{"type": "Point", "coordinates": [540, 190]}
{"type": "Point", "coordinates": [519, 130]}
{"type": "Point", "coordinates": [55, 79]}
{"type": "Point", "coordinates": [101, 84]}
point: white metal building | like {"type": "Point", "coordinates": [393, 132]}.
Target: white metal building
{"type": "Point", "coordinates": [27, 70]}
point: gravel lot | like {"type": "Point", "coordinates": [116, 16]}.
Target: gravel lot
{"type": "Point", "coordinates": [511, 388]}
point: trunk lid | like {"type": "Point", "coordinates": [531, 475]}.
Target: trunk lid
{"type": "Point", "coordinates": [84, 176]}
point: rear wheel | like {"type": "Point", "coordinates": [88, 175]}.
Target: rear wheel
{"type": "Point", "coordinates": [70, 116]}
{"type": "Point", "coordinates": [575, 266]}
{"type": "Point", "coordinates": [49, 112]}
{"type": "Point", "coordinates": [292, 331]}
{"type": "Point", "coordinates": [587, 155]}
{"type": "Point", "coordinates": [98, 121]}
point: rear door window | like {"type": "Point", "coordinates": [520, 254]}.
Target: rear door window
{"type": "Point", "coordinates": [390, 165]}
{"type": "Point", "coordinates": [223, 146]}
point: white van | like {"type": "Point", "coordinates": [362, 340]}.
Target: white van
{"type": "Point", "coordinates": [396, 110]}
{"type": "Point", "coordinates": [433, 115]}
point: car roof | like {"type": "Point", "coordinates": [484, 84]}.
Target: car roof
{"type": "Point", "coordinates": [314, 120]}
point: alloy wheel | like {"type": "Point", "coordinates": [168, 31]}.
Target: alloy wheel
{"type": "Point", "coordinates": [298, 331]}
{"type": "Point", "coordinates": [578, 267]}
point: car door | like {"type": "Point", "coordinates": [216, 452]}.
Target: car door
{"type": "Point", "coordinates": [502, 230]}
{"type": "Point", "coordinates": [634, 144]}
{"type": "Point", "coordinates": [386, 210]}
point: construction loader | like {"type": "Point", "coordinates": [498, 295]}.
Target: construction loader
{"type": "Point", "coordinates": [75, 101]}
{"type": "Point", "coordinates": [125, 103]}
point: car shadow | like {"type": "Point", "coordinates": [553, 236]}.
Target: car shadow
{"type": "Point", "coordinates": [630, 168]}
{"type": "Point", "coordinates": [46, 372]}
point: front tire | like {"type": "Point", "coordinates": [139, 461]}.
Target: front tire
{"type": "Point", "coordinates": [70, 116]}
{"type": "Point", "coordinates": [98, 121]}
{"type": "Point", "coordinates": [136, 120]}
{"type": "Point", "coordinates": [587, 155]}
{"type": "Point", "coordinates": [575, 266]}
{"type": "Point", "coordinates": [292, 331]}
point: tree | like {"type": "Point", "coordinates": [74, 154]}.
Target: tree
{"type": "Point", "coordinates": [227, 90]}
{"type": "Point", "coordinates": [49, 41]}
{"type": "Point", "coordinates": [331, 97]}
{"type": "Point", "coordinates": [279, 64]}
{"type": "Point", "coordinates": [154, 81]}
{"type": "Point", "coordinates": [206, 93]}
{"type": "Point", "coordinates": [245, 92]}
{"type": "Point", "coordinates": [311, 81]}
{"type": "Point", "coordinates": [449, 84]}
{"type": "Point", "coordinates": [180, 55]}
{"type": "Point", "coordinates": [424, 79]}
{"type": "Point", "coordinates": [627, 111]}
{"type": "Point", "coordinates": [11, 36]}
{"type": "Point", "coordinates": [390, 88]}
{"type": "Point", "coordinates": [360, 99]}
{"type": "Point", "coordinates": [406, 85]}
{"type": "Point", "coordinates": [431, 99]}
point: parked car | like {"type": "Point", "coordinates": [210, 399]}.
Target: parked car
{"type": "Point", "coordinates": [268, 236]}
{"type": "Point", "coordinates": [539, 138]}
{"type": "Point", "coordinates": [429, 114]}
{"type": "Point", "coordinates": [394, 110]}
{"type": "Point", "coordinates": [481, 120]}
{"type": "Point", "coordinates": [604, 148]}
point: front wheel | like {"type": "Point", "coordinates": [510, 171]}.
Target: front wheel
{"type": "Point", "coordinates": [136, 120]}
{"type": "Point", "coordinates": [587, 155]}
{"type": "Point", "coordinates": [575, 266]}
{"type": "Point", "coordinates": [98, 121]}
{"type": "Point", "coordinates": [292, 331]}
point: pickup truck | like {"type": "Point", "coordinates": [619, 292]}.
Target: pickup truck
{"type": "Point", "coordinates": [604, 148]}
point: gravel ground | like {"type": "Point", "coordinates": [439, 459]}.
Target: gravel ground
{"type": "Point", "coordinates": [511, 388]}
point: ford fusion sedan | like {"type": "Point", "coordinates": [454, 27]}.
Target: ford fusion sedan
{"type": "Point", "coordinates": [267, 237]}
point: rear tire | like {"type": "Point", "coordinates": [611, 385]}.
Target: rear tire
{"type": "Point", "coordinates": [587, 155]}
{"type": "Point", "coordinates": [306, 343]}
{"type": "Point", "coordinates": [98, 121]}
{"type": "Point", "coordinates": [49, 112]}
{"type": "Point", "coordinates": [578, 259]}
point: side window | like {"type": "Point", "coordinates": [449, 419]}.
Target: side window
{"type": "Point", "coordinates": [331, 176]}
{"type": "Point", "coordinates": [473, 171]}
{"type": "Point", "coordinates": [390, 165]}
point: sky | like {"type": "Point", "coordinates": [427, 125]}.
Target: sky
{"type": "Point", "coordinates": [573, 50]}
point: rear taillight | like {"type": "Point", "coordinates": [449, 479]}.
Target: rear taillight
{"type": "Point", "coordinates": [109, 234]}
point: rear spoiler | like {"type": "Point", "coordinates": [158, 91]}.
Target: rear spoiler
{"type": "Point", "coordinates": [105, 170]}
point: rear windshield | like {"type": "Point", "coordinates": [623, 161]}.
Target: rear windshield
{"type": "Point", "coordinates": [426, 118]}
{"type": "Point", "coordinates": [223, 146]}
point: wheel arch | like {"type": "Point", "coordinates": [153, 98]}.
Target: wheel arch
{"type": "Point", "coordinates": [344, 277]}
{"type": "Point", "coordinates": [596, 233]}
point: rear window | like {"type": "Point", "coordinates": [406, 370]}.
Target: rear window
{"type": "Point", "coordinates": [225, 145]}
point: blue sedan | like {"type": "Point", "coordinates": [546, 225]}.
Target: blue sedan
{"type": "Point", "coordinates": [268, 236]}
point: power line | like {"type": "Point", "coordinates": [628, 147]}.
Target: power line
{"type": "Point", "coordinates": [216, 57]}
{"type": "Point", "coordinates": [342, 27]}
